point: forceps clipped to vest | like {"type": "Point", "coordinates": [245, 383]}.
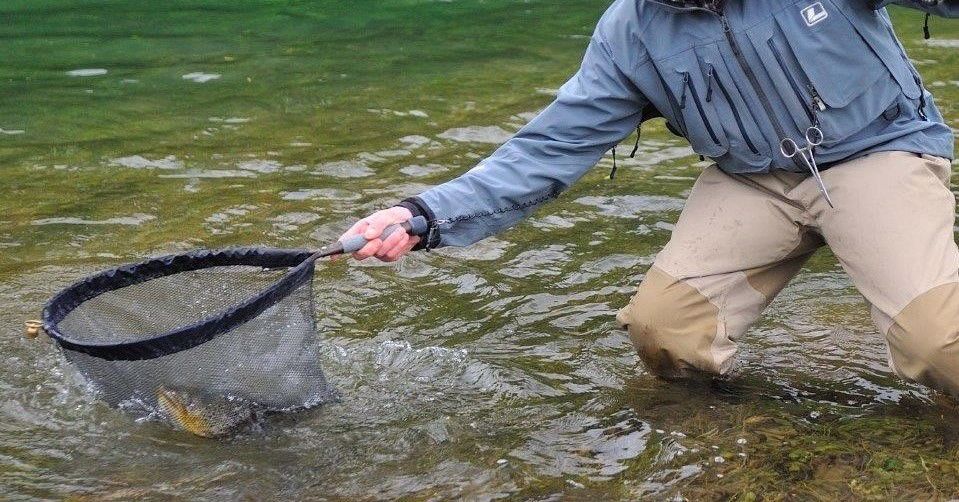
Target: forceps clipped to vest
{"type": "Point", "coordinates": [814, 138]}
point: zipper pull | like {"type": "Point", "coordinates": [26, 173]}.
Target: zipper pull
{"type": "Point", "coordinates": [922, 98]}
{"type": "Point", "coordinates": [682, 99]}
{"type": "Point", "coordinates": [709, 84]}
{"type": "Point", "coordinates": [817, 101]}
{"type": "Point", "coordinates": [612, 172]}
{"type": "Point", "coordinates": [432, 234]}
{"type": "Point", "coordinates": [722, 18]}
{"type": "Point", "coordinates": [632, 154]}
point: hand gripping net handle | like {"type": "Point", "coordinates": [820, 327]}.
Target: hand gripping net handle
{"type": "Point", "coordinates": [415, 226]}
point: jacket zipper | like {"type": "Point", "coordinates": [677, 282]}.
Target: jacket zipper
{"type": "Point", "coordinates": [915, 75]}
{"type": "Point", "coordinates": [739, 120]}
{"type": "Point", "coordinates": [754, 82]}
{"type": "Point", "coordinates": [688, 83]}
{"type": "Point", "coordinates": [681, 122]}
{"type": "Point", "coordinates": [816, 100]}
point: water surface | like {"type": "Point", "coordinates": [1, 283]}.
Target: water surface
{"type": "Point", "coordinates": [129, 130]}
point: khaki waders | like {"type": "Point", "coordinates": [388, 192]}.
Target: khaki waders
{"type": "Point", "coordinates": [741, 238]}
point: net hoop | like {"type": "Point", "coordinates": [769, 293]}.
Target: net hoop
{"type": "Point", "coordinates": [300, 261]}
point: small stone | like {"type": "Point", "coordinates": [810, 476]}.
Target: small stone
{"type": "Point", "coordinates": [741, 441]}
{"type": "Point", "coordinates": [717, 459]}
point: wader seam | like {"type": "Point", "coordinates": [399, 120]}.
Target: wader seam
{"type": "Point", "coordinates": [920, 295]}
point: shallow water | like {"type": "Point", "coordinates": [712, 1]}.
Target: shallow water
{"type": "Point", "coordinates": [493, 371]}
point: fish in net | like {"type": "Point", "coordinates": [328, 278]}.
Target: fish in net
{"type": "Point", "coordinates": [208, 340]}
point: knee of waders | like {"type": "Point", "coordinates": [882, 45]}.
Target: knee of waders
{"type": "Point", "coordinates": [924, 339]}
{"type": "Point", "coordinates": [672, 325]}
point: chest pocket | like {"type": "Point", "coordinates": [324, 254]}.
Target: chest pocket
{"type": "Point", "coordinates": [822, 68]}
{"type": "Point", "coordinates": [686, 90]}
{"type": "Point", "coordinates": [735, 116]}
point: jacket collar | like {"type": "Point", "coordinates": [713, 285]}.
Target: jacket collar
{"type": "Point", "coordinates": [691, 5]}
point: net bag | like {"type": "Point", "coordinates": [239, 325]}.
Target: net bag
{"type": "Point", "coordinates": [235, 324]}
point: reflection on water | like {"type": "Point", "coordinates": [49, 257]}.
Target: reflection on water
{"type": "Point", "coordinates": [478, 373]}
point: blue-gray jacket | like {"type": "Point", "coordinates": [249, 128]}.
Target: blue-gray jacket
{"type": "Point", "coordinates": [735, 82]}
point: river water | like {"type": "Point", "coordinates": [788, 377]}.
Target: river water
{"type": "Point", "coordinates": [131, 129]}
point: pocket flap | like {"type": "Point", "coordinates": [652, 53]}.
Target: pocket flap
{"type": "Point", "coordinates": [685, 83]}
{"type": "Point", "coordinates": [829, 50]}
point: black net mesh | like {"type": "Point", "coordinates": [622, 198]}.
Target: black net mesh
{"type": "Point", "coordinates": [241, 367]}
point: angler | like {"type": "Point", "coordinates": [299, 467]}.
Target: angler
{"type": "Point", "coordinates": [820, 132]}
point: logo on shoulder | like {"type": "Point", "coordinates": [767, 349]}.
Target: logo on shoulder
{"type": "Point", "coordinates": [814, 14]}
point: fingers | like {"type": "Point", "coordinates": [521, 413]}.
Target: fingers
{"type": "Point", "coordinates": [377, 223]}
{"type": "Point", "coordinates": [401, 251]}
{"type": "Point", "coordinates": [395, 241]}
{"type": "Point", "coordinates": [357, 228]}
{"type": "Point", "coordinates": [368, 250]}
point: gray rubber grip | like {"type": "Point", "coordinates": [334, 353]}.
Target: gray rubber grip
{"type": "Point", "coordinates": [415, 226]}
{"type": "Point", "coordinates": [418, 225]}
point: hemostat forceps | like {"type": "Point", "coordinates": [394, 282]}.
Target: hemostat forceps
{"type": "Point", "coordinates": [814, 138]}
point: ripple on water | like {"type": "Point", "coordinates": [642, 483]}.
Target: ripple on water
{"type": "Point", "coordinates": [653, 153]}
{"type": "Point", "coordinates": [381, 156]}
{"type": "Point", "coordinates": [581, 445]}
{"type": "Point", "coordinates": [200, 77]}
{"type": "Point", "coordinates": [595, 269]}
{"type": "Point", "coordinates": [141, 162]}
{"type": "Point", "coordinates": [487, 249]}
{"type": "Point", "coordinates": [420, 171]}
{"type": "Point", "coordinates": [230, 120]}
{"type": "Point", "coordinates": [260, 166]}
{"type": "Point", "coordinates": [289, 222]}
{"type": "Point", "coordinates": [212, 173]}
{"type": "Point", "coordinates": [631, 206]}
{"type": "Point", "coordinates": [477, 134]}
{"type": "Point", "coordinates": [943, 42]}
{"type": "Point", "coordinates": [554, 221]}
{"type": "Point", "coordinates": [87, 72]}
{"type": "Point", "coordinates": [344, 169]}
{"type": "Point", "coordinates": [222, 222]}
{"type": "Point", "coordinates": [133, 219]}
{"type": "Point", "coordinates": [415, 141]}
{"type": "Point", "coordinates": [546, 261]}
{"type": "Point", "coordinates": [320, 193]}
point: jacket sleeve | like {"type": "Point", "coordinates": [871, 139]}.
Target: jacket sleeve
{"type": "Point", "coordinates": [592, 112]}
{"type": "Point", "coordinates": [944, 8]}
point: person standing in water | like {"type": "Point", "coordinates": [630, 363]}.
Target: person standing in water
{"type": "Point", "coordinates": [820, 132]}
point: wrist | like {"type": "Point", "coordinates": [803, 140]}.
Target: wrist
{"type": "Point", "coordinates": [417, 207]}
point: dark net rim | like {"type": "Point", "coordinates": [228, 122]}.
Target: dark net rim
{"type": "Point", "coordinates": [189, 336]}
